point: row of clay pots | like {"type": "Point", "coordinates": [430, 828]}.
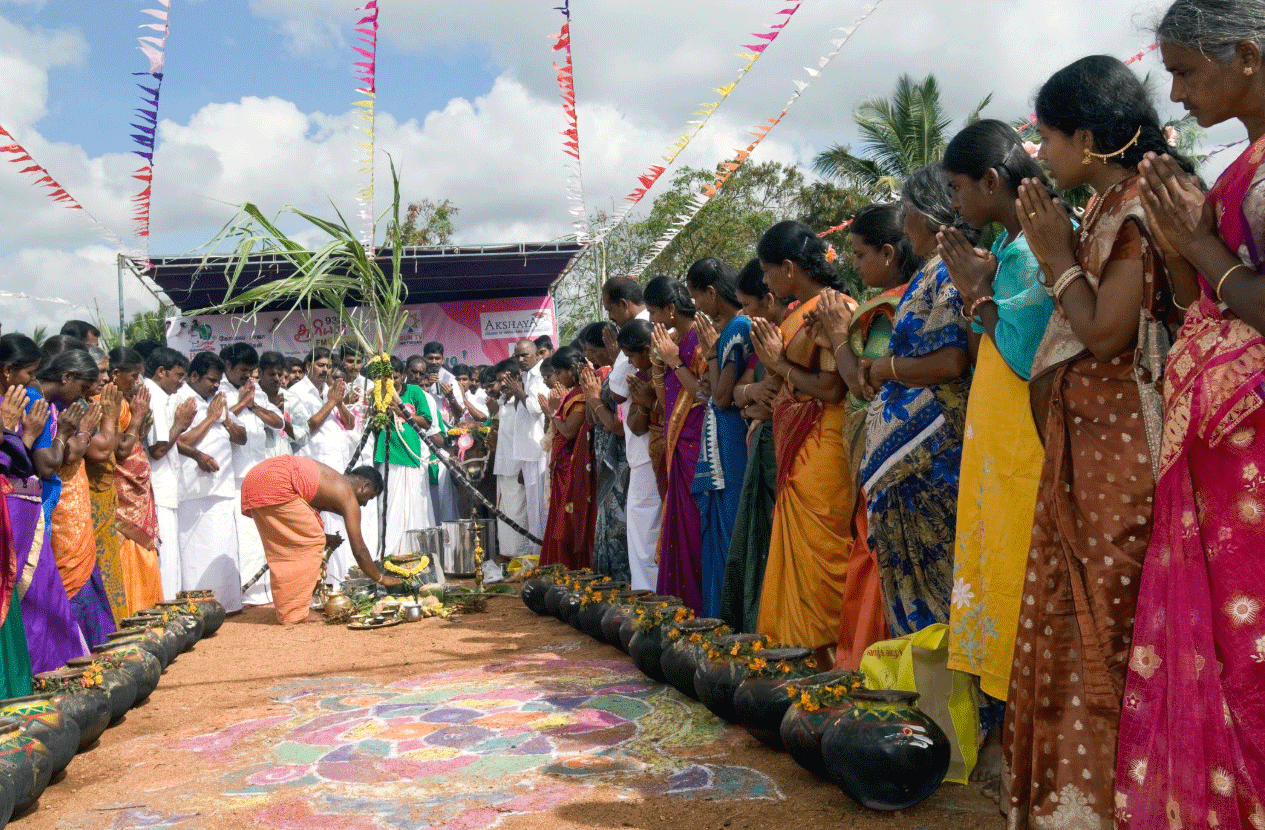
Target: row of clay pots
{"type": "Point", "coordinates": [876, 745]}
{"type": "Point", "coordinates": [74, 705]}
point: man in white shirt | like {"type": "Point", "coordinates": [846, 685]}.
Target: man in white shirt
{"type": "Point", "coordinates": [208, 500]}
{"type": "Point", "coordinates": [511, 499]}
{"type": "Point", "coordinates": [622, 298]}
{"type": "Point", "coordinates": [529, 429]}
{"type": "Point", "coordinates": [272, 376]}
{"type": "Point", "coordinates": [248, 407]}
{"type": "Point", "coordinates": [444, 387]}
{"type": "Point", "coordinates": [316, 406]}
{"type": "Point", "coordinates": [356, 400]}
{"type": "Point", "coordinates": [165, 371]}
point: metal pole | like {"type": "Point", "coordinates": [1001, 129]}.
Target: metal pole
{"type": "Point", "coordinates": [120, 264]}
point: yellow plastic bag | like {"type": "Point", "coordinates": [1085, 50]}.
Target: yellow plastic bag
{"type": "Point", "coordinates": [919, 663]}
{"type": "Point", "coordinates": [522, 564]}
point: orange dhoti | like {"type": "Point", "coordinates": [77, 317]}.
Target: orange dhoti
{"type": "Point", "coordinates": [275, 493]}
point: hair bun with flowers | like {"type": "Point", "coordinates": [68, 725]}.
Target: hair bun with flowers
{"type": "Point", "coordinates": [831, 253]}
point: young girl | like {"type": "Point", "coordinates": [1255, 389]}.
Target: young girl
{"type": "Point", "coordinates": [753, 392]}
{"type": "Point", "coordinates": [722, 462]}
{"type": "Point", "coordinates": [681, 364]}
{"type": "Point", "coordinates": [884, 258]}
{"type": "Point", "coordinates": [1001, 456]}
{"type": "Point", "coordinates": [1093, 513]}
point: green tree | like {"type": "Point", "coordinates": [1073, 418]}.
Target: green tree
{"type": "Point", "coordinates": [898, 136]}
{"type": "Point", "coordinates": [429, 223]}
{"type": "Point", "coordinates": [731, 223]}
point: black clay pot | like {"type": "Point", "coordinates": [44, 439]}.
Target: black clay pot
{"type": "Point", "coordinates": [801, 730]}
{"type": "Point", "coordinates": [715, 681]}
{"type": "Point", "coordinates": [569, 607]}
{"type": "Point", "coordinates": [25, 765]}
{"type": "Point", "coordinates": [151, 639]}
{"type": "Point", "coordinates": [629, 626]}
{"type": "Point", "coordinates": [89, 708]}
{"type": "Point", "coordinates": [185, 608]}
{"type": "Point", "coordinates": [212, 611]}
{"type": "Point", "coordinates": [646, 649]}
{"type": "Point", "coordinates": [616, 613]}
{"type": "Point", "coordinates": [761, 700]}
{"type": "Point", "coordinates": [884, 751]}
{"type": "Point", "coordinates": [533, 594]}
{"type": "Point", "coordinates": [118, 685]}
{"type": "Point", "coordinates": [681, 654]}
{"type": "Point", "coordinates": [43, 719]}
{"type": "Point", "coordinates": [172, 640]}
{"type": "Point", "coordinates": [136, 661]}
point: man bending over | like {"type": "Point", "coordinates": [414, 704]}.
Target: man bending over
{"type": "Point", "coordinates": [284, 496]}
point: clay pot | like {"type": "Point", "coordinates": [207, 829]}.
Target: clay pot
{"type": "Point", "coordinates": [25, 765]}
{"type": "Point", "coordinates": [556, 593]}
{"type": "Point", "coordinates": [801, 730]}
{"type": "Point", "coordinates": [680, 657]}
{"type": "Point", "coordinates": [213, 612]}
{"type": "Point", "coordinates": [716, 681]}
{"type": "Point", "coordinates": [569, 608]}
{"type": "Point", "coordinates": [143, 667]}
{"type": "Point", "coordinates": [42, 718]}
{"type": "Point", "coordinates": [188, 625]}
{"type": "Point", "coordinates": [151, 640]}
{"type": "Point", "coordinates": [761, 701]}
{"type": "Point", "coordinates": [616, 612]}
{"type": "Point", "coordinates": [884, 751]}
{"type": "Point", "coordinates": [89, 708]}
{"type": "Point", "coordinates": [629, 626]}
{"type": "Point", "coordinates": [533, 593]}
{"type": "Point", "coordinates": [115, 682]}
{"type": "Point", "coordinates": [589, 618]}
{"type": "Point", "coordinates": [173, 641]}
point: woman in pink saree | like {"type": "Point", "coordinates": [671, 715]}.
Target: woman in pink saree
{"type": "Point", "coordinates": [1190, 751]}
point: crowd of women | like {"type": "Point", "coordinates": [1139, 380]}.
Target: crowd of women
{"type": "Point", "coordinates": [1055, 447]}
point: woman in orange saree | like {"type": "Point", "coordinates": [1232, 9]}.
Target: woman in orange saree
{"type": "Point", "coordinates": [1194, 705]}
{"type": "Point", "coordinates": [1093, 514]}
{"type": "Point", "coordinates": [136, 518]}
{"type": "Point", "coordinates": [64, 380]}
{"type": "Point", "coordinates": [812, 514]}
{"type": "Point", "coordinates": [563, 542]}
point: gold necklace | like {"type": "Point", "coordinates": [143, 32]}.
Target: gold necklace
{"type": "Point", "coordinates": [1096, 208]}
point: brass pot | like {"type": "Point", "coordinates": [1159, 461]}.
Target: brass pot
{"type": "Point", "coordinates": [337, 603]}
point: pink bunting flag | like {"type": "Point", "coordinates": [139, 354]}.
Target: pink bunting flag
{"type": "Point", "coordinates": [366, 73]}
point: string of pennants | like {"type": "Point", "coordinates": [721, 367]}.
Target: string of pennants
{"type": "Point", "coordinates": [571, 144]}
{"type": "Point", "coordinates": [759, 132]}
{"type": "Point", "coordinates": [154, 47]}
{"type": "Point", "coordinates": [366, 72]}
{"type": "Point", "coordinates": [706, 110]}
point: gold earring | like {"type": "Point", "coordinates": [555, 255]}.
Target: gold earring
{"type": "Point", "coordinates": [1089, 158]}
{"type": "Point", "coordinates": [1247, 70]}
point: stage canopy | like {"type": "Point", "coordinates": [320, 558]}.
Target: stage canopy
{"type": "Point", "coordinates": [432, 274]}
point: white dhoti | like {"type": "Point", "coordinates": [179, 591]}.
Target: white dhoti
{"type": "Point", "coordinates": [536, 492]}
{"type": "Point", "coordinates": [169, 551]}
{"type": "Point", "coordinates": [250, 558]}
{"type": "Point", "coordinates": [644, 514]}
{"type": "Point", "coordinates": [408, 508]}
{"type": "Point", "coordinates": [512, 501]}
{"type": "Point", "coordinates": [208, 548]}
{"type": "Point", "coordinates": [444, 497]}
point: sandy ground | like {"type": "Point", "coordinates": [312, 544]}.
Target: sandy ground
{"type": "Point", "coordinates": [135, 776]}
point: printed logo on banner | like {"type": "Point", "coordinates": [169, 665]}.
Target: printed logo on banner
{"type": "Point", "coordinates": [511, 325]}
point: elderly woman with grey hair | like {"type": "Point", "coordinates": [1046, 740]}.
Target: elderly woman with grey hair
{"type": "Point", "coordinates": [915, 422]}
{"type": "Point", "coordinates": [1189, 751]}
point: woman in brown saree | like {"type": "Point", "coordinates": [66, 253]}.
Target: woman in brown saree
{"type": "Point", "coordinates": [1093, 515]}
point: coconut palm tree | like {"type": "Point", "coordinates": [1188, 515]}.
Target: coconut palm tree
{"type": "Point", "coordinates": [898, 136]}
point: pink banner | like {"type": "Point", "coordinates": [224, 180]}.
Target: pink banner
{"type": "Point", "coordinates": [474, 333]}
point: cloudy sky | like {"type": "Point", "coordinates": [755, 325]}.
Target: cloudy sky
{"type": "Point", "coordinates": [257, 106]}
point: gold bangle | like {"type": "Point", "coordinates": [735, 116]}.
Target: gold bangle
{"type": "Point", "coordinates": [892, 366]}
{"type": "Point", "coordinates": [835, 353]}
{"type": "Point", "coordinates": [1221, 281]}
